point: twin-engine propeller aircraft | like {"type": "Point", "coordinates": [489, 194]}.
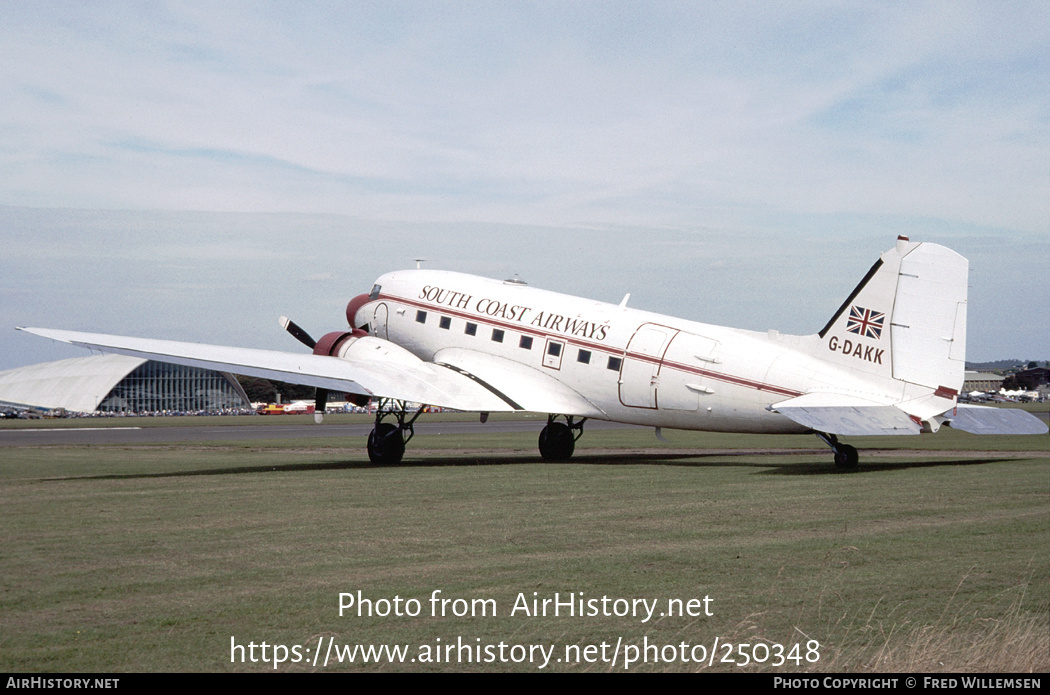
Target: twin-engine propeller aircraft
{"type": "Point", "coordinates": [889, 362]}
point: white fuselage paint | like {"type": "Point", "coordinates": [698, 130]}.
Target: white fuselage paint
{"type": "Point", "coordinates": [643, 368]}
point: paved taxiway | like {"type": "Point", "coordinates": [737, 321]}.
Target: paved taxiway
{"type": "Point", "coordinates": [129, 434]}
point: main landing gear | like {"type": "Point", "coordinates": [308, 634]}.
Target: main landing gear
{"type": "Point", "coordinates": [386, 441]}
{"type": "Point", "coordinates": [558, 439]}
{"type": "Point", "coordinates": [846, 456]}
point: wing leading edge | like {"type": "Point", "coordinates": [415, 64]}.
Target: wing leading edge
{"type": "Point", "coordinates": [372, 367]}
{"type": "Point", "coordinates": [523, 386]}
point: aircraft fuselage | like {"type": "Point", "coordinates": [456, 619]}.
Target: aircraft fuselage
{"type": "Point", "coordinates": [890, 361]}
{"type": "Point", "coordinates": [634, 366]}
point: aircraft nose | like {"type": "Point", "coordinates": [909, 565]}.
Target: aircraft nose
{"type": "Point", "coordinates": [352, 307]}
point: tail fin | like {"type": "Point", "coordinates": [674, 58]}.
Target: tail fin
{"type": "Point", "coordinates": [906, 319]}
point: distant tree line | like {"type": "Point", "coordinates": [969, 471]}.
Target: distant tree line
{"type": "Point", "coordinates": [265, 391]}
{"type": "Point", "coordinates": [1004, 366]}
{"type": "Point", "coordinates": [994, 365]}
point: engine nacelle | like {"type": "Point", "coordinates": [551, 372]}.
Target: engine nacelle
{"type": "Point", "coordinates": [331, 343]}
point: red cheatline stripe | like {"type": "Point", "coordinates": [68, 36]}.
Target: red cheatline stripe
{"type": "Point", "coordinates": [475, 318]}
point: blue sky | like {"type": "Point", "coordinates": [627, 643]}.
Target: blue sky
{"type": "Point", "coordinates": [738, 163]}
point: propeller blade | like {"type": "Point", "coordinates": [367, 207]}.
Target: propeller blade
{"type": "Point", "coordinates": [297, 332]}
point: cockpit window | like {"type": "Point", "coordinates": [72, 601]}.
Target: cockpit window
{"type": "Point", "coordinates": [374, 294]}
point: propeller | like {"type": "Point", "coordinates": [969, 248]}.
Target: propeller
{"type": "Point", "coordinates": [297, 332]}
{"type": "Point", "coordinates": [320, 394]}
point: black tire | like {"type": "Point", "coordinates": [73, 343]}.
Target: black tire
{"type": "Point", "coordinates": [557, 442]}
{"type": "Point", "coordinates": [846, 457]}
{"type": "Point", "coordinates": [386, 446]}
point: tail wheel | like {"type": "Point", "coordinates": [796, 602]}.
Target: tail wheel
{"type": "Point", "coordinates": [846, 456]}
{"type": "Point", "coordinates": [386, 446]}
{"type": "Point", "coordinates": [557, 442]}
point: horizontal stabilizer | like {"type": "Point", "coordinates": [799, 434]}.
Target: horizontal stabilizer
{"type": "Point", "coordinates": [839, 414]}
{"type": "Point", "coordinates": [980, 419]}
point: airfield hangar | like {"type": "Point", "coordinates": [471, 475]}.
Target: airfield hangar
{"type": "Point", "coordinates": [120, 384]}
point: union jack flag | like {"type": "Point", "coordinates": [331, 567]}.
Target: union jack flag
{"type": "Point", "coordinates": [865, 322]}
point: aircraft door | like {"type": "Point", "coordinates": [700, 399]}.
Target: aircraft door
{"type": "Point", "coordinates": [640, 371]}
{"type": "Point", "coordinates": [379, 329]}
{"type": "Point", "coordinates": [683, 372]}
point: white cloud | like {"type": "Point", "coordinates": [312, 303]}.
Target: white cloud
{"type": "Point", "coordinates": [754, 121]}
{"type": "Point", "coordinates": [548, 112]}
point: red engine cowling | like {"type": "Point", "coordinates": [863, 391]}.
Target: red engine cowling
{"type": "Point", "coordinates": [329, 345]}
{"type": "Point", "coordinates": [353, 306]}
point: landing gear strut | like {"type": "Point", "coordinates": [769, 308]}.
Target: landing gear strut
{"type": "Point", "coordinates": [846, 456]}
{"type": "Point", "coordinates": [386, 441]}
{"type": "Point", "coordinates": [558, 439]}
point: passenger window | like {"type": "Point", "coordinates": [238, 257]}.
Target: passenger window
{"type": "Point", "coordinates": [554, 349]}
{"type": "Point", "coordinates": [614, 363]}
{"type": "Point", "coordinates": [471, 329]}
{"type": "Point", "coordinates": [497, 335]}
{"type": "Point", "coordinates": [445, 322]}
{"type": "Point", "coordinates": [525, 342]}
{"type": "Point", "coordinates": [584, 356]}
{"type": "Point", "coordinates": [421, 317]}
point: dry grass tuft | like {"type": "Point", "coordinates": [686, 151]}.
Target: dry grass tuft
{"type": "Point", "coordinates": [959, 641]}
{"type": "Point", "coordinates": [1020, 644]}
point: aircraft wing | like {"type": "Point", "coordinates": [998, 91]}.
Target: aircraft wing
{"type": "Point", "coordinates": [840, 414]}
{"type": "Point", "coordinates": [524, 387]}
{"type": "Point", "coordinates": [371, 366]}
{"type": "Point", "coordinates": [982, 419]}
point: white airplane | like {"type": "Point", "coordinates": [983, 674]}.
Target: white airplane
{"type": "Point", "coordinates": [889, 362]}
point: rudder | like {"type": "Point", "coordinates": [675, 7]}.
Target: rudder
{"type": "Point", "coordinates": [928, 330]}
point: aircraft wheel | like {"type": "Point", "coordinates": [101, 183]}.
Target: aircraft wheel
{"type": "Point", "coordinates": [846, 457]}
{"type": "Point", "coordinates": [556, 442]}
{"type": "Point", "coordinates": [385, 445]}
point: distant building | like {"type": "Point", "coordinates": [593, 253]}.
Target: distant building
{"type": "Point", "coordinates": [1032, 379]}
{"type": "Point", "coordinates": [116, 383]}
{"type": "Point", "coordinates": [981, 381]}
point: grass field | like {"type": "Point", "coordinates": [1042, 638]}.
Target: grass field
{"type": "Point", "coordinates": [934, 556]}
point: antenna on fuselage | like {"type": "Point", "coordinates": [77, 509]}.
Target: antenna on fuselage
{"type": "Point", "coordinates": [419, 263]}
{"type": "Point", "coordinates": [516, 280]}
